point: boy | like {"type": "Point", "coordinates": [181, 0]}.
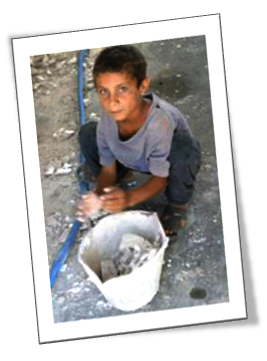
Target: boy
{"type": "Point", "coordinates": [139, 132]}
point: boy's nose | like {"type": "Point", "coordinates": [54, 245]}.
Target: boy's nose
{"type": "Point", "coordinates": [113, 100]}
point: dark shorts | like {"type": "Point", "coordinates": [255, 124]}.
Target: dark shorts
{"type": "Point", "coordinates": [184, 158]}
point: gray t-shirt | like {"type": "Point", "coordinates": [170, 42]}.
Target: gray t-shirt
{"type": "Point", "coordinates": [147, 151]}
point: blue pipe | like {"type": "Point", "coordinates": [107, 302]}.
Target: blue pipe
{"type": "Point", "coordinates": [65, 248]}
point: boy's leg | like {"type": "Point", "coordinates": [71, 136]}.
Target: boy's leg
{"type": "Point", "coordinates": [89, 149]}
{"type": "Point", "coordinates": [185, 162]}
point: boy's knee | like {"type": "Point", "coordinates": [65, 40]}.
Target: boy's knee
{"type": "Point", "coordinates": [87, 132]}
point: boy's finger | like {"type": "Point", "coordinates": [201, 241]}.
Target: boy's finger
{"type": "Point", "coordinates": [113, 195]}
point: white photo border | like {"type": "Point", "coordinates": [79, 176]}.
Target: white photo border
{"type": "Point", "coordinates": [23, 48]}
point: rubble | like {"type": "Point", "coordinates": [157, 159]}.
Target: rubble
{"type": "Point", "coordinates": [50, 171]}
{"type": "Point", "coordinates": [134, 252]}
{"type": "Point", "coordinates": [63, 134]}
{"type": "Point", "coordinates": [47, 65]}
{"type": "Point", "coordinates": [62, 171]}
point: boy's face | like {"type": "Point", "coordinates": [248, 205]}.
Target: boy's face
{"type": "Point", "coordinates": [119, 95]}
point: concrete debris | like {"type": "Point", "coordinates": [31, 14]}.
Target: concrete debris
{"type": "Point", "coordinates": [68, 219]}
{"type": "Point", "coordinates": [43, 64]}
{"type": "Point", "coordinates": [73, 60]}
{"type": "Point", "coordinates": [50, 171]}
{"type": "Point", "coordinates": [134, 252]}
{"type": "Point", "coordinates": [63, 133]}
{"type": "Point", "coordinates": [63, 171]}
{"type": "Point", "coordinates": [63, 268]}
{"type": "Point", "coordinates": [69, 132]}
{"type": "Point", "coordinates": [108, 270]}
{"type": "Point", "coordinates": [200, 240]}
{"type": "Point", "coordinates": [36, 86]}
{"type": "Point", "coordinates": [61, 300]}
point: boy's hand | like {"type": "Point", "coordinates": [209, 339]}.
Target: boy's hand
{"type": "Point", "coordinates": [114, 200]}
{"type": "Point", "coordinates": [88, 206]}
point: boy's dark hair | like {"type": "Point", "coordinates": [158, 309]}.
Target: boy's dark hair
{"type": "Point", "coordinates": [120, 58]}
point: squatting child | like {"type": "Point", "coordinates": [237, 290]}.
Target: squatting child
{"type": "Point", "coordinates": [138, 131]}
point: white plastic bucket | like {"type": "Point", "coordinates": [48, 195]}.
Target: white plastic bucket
{"type": "Point", "coordinates": [132, 291]}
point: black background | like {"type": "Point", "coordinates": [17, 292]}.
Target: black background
{"type": "Point", "coordinates": [243, 50]}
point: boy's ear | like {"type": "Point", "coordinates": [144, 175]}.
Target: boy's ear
{"type": "Point", "coordinates": [145, 85]}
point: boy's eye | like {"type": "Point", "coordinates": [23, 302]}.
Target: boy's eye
{"type": "Point", "coordinates": [102, 92]}
{"type": "Point", "coordinates": [122, 89]}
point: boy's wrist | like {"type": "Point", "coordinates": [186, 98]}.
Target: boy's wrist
{"type": "Point", "coordinates": [129, 199]}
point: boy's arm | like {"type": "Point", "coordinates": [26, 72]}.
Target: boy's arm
{"type": "Point", "coordinates": [106, 178]}
{"type": "Point", "coordinates": [152, 187]}
{"type": "Point", "coordinates": [116, 200]}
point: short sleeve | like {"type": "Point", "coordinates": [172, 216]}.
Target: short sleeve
{"type": "Point", "coordinates": [106, 157]}
{"type": "Point", "coordinates": [160, 143]}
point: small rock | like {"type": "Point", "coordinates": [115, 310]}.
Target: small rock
{"type": "Point", "coordinates": [76, 289]}
{"type": "Point", "coordinates": [47, 92]}
{"type": "Point", "coordinates": [48, 72]}
{"type": "Point", "coordinates": [50, 171]}
{"type": "Point", "coordinates": [63, 171]}
{"type": "Point", "coordinates": [45, 60]}
{"type": "Point", "coordinates": [214, 220]}
{"type": "Point", "coordinates": [63, 268]}
{"type": "Point", "coordinates": [73, 60]}
{"type": "Point", "coordinates": [200, 240]}
{"type": "Point", "coordinates": [34, 71]}
{"type": "Point", "coordinates": [39, 77]}
{"type": "Point", "coordinates": [68, 219]}
{"type": "Point", "coordinates": [69, 133]}
{"type": "Point", "coordinates": [187, 265]}
{"type": "Point", "coordinates": [36, 86]}
{"type": "Point", "coordinates": [67, 166]}
{"type": "Point", "coordinates": [60, 300]}
{"type": "Point", "coordinates": [178, 46]}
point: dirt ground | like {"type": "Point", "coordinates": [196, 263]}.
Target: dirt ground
{"type": "Point", "coordinates": [194, 272]}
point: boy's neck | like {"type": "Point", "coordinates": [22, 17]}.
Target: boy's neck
{"type": "Point", "coordinates": [136, 123]}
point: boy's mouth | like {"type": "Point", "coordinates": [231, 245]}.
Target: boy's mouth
{"type": "Point", "coordinates": [116, 112]}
